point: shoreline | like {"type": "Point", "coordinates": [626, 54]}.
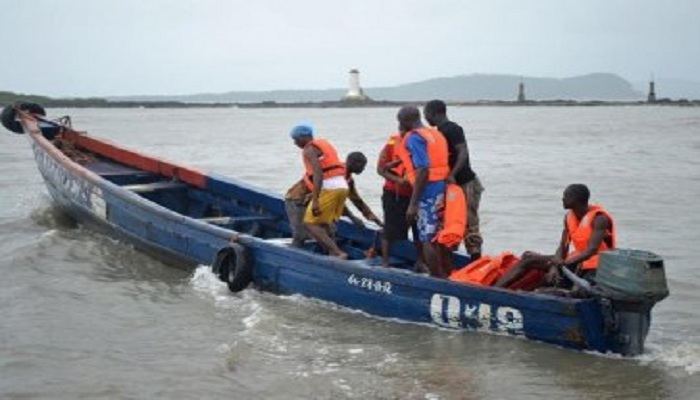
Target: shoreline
{"type": "Point", "coordinates": [478, 103]}
{"type": "Point", "coordinates": [101, 103]}
{"type": "Point", "coordinates": [375, 104]}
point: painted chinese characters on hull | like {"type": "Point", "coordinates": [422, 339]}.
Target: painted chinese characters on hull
{"type": "Point", "coordinates": [79, 190]}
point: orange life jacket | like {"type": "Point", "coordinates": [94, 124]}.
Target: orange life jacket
{"type": "Point", "coordinates": [579, 233]}
{"type": "Point", "coordinates": [329, 160]}
{"type": "Point", "coordinates": [437, 153]}
{"type": "Point", "coordinates": [390, 151]}
{"type": "Point", "coordinates": [454, 221]}
{"type": "Point", "coordinates": [393, 146]}
{"type": "Point", "coordinates": [486, 270]}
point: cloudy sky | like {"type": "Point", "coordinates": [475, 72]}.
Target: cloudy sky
{"type": "Point", "coordinates": [130, 47]}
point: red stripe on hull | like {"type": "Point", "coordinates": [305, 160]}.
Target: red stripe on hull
{"type": "Point", "coordinates": [133, 158]}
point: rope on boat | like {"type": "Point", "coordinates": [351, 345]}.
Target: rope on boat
{"type": "Point", "coordinates": [69, 149]}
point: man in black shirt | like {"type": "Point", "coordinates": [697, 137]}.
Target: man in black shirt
{"type": "Point", "coordinates": [461, 172]}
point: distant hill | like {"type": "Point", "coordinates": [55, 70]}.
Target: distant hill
{"type": "Point", "coordinates": [464, 88]}
{"type": "Point", "coordinates": [505, 87]}
{"type": "Point", "coordinates": [599, 86]}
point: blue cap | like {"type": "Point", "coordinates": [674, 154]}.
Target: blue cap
{"type": "Point", "coordinates": [302, 129]}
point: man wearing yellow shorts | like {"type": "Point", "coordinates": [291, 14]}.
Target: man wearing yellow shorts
{"type": "Point", "coordinates": [325, 178]}
{"type": "Point", "coordinates": [331, 203]}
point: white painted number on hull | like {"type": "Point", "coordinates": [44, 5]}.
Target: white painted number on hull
{"type": "Point", "coordinates": [452, 312]}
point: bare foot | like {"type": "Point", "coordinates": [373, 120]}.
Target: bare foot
{"type": "Point", "coordinates": [421, 268]}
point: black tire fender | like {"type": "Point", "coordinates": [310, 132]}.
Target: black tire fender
{"type": "Point", "coordinates": [234, 266]}
{"type": "Point", "coordinates": [8, 115]}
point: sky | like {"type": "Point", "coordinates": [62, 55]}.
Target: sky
{"type": "Point", "coordinates": [83, 48]}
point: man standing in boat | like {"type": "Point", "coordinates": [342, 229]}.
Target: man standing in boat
{"type": "Point", "coordinates": [324, 177]}
{"type": "Point", "coordinates": [461, 172]}
{"type": "Point", "coordinates": [423, 154]}
{"type": "Point", "coordinates": [588, 228]}
{"type": "Point", "coordinates": [396, 194]}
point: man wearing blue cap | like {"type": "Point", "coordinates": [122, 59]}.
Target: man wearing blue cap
{"type": "Point", "coordinates": [324, 178]}
{"type": "Point", "coordinates": [296, 199]}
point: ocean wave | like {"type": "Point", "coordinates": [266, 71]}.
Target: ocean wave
{"type": "Point", "coordinates": [52, 217]}
{"type": "Point", "coordinates": [684, 356]}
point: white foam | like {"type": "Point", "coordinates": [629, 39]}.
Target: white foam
{"type": "Point", "coordinates": [685, 356]}
{"type": "Point", "coordinates": [204, 281]}
{"type": "Point", "coordinates": [253, 319]}
{"type": "Point", "coordinates": [225, 348]}
{"type": "Point", "coordinates": [343, 385]}
{"type": "Point", "coordinates": [49, 233]}
{"type": "Point", "coordinates": [207, 283]}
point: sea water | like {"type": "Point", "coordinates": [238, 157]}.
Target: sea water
{"type": "Point", "coordinates": [86, 316]}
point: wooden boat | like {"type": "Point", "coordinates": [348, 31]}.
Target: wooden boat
{"type": "Point", "coordinates": [185, 215]}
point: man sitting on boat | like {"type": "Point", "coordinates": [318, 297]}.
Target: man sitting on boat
{"type": "Point", "coordinates": [423, 154]}
{"type": "Point", "coordinates": [589, 229]}
{"type": "Point", "coordinates": [324, 177]}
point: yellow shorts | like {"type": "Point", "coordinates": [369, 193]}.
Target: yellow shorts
{"type": "Point", "coordinates": [332, 204]}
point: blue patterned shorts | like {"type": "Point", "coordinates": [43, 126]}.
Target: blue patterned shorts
{"type": "Point", "coordinates": [429, 209]}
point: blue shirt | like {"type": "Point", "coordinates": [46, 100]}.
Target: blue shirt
{"type": "Point", "coordinates": [418, 148]}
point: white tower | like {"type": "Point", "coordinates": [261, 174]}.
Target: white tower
{"type": "Point", "coordinates": [355, 92]}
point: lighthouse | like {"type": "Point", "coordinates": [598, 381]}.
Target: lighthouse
{"type": "Point", "coordinates": [521, 92]}
{"type": "Point", "coordinates": [355, 92]}
{"type": "Point", "coordinates": [651, 97]}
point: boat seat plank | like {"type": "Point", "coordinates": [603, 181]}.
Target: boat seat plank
{"type": "Point", "coordinates": [108, 168]}
{"type": "Point", "coordinates": [232, 220]}
{"type": "Point", "coordinates": [229, 208]}
{"type": "Point", "coordinates": [152, 187]}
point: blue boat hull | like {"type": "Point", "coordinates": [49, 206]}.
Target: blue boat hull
{"type": "Point", "coordinates": [356, 284]}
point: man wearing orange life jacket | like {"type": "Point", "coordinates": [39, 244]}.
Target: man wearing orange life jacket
{"type": "Point", "coordinates": [297, 199]}
{"type": "Point", "coordinates": [588, 231]}
{"type": "Point", "coordinates": [461, 172]}
{"type": "Point", "coordinates": [423, 155]}
{"type": "Point", "coordinates": [396, 194]}
{"type": "Point", "coordinates": [324, 177]}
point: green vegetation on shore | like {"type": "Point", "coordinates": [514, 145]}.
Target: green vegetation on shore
{"type": "Point", "coordinates": [10, 98]}
{"type": "Point", "coordinates": [7, 98]}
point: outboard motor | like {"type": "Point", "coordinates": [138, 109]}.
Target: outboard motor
{"type": "Point", "coordinates": [629, 283]}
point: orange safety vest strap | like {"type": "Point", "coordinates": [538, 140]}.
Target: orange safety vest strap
{"type": "Point", "coordinates": [454, 222]}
